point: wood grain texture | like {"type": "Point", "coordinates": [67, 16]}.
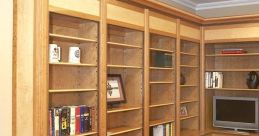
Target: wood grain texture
{"type": "Point", "coordinates": [40, 89]}
{"type": "Point", "coordinates": [146, 74]}
{"type": "Point", "coordinates": [91, 7]}
{"type": "Point", "coordinates": [24, 67]}
{"type": "Point", "coordinates": [103, 70]}
{"type": "Point", "coordinates": [190, 32]}
{"type": "Point", "coordinates": [178, 88]}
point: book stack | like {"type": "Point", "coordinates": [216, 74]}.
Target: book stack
{"type": "Point", "coordinates": [161, 59]}
{"type": "Point", "coordinates": [233, 51]}
{"type": "Point", "coordinates": [163, 130]}
{"type": "Point", "coordinates": [71, 120]}
{"type": "Point", "coordinates": [213, 79]}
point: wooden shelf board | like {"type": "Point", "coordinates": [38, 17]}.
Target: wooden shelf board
{"type": "Point", "coordinates": [71, 38]}
{"type": "Point", "coordinates": [189, 66]}
{"type": "Point", "coordinates": [159, 122]}
{"type": "Point", "coordinates": [160, 68]}
{"type": "Point", "coordinates": [74, 64]}
{"type": "Point", "coordinates": [161, 50]}
{"type": "Point", "coordinates": [121, 130]}
{"type": "Point", "coordinates": [71, 90]}
{"type": "Point", "coordinates": [188, 117]}
{"type": "Point", "coordinates": [86, 134]}
{"type": "Point", "coordinates": [231, 70]}
{"type": "Point", "coordinates": [123, 109]}
{"type": "Point", "coordinates": [188, 85]}
{"type": "Point", "coordinates": [161, 105]}
{"type": "Point", "coordinates": [232, 55]}
{"type": "Point", "coordinates": [189, 54]}
{"type": "Point", "coordinates": [189, 132]}
{"type": "Point", "coordinates": [122, 45]}
{"type": "Point", "coordinates": [188, 101]}
{"type": "Point", "coordinates": [123, 66]}
{"type": "Point", "coordinates": [233, 89]}
{"type": "Point", "coordinates": [161, 82]}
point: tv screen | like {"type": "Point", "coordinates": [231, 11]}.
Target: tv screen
{"type": "Point", "coordinates": [235, 112]}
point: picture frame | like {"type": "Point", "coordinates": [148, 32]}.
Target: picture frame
{"type": "Point", "coordinates": [115, 89]}
{"type": "Point", "coordinates": [183, 111]}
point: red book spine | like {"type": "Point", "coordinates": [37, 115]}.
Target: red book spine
{"type": "Point", "coordinates": [50, 122]}
{"type": "Point", "coordinates": [78, 120]}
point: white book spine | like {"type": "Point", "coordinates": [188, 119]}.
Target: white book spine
{"type": "Point", "coordinates": [72, 120]}
{"type": "Point", "coordinates": [216, 79]}
{"type": "Point", "coordinates": [57, 113]}
{"type": "Point", "coordinates": [206, 80]}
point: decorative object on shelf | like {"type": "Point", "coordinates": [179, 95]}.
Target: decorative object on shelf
{"type": "Point", "coordinates": [74, 55]}
{"type": "Point", "coordinates": [252, 80]}
{"type": "Point", "coordinates": [54, 53]}
{"type": "Point", "coordinates": [115, 90]}
{"type": "Point", "coordinates": [161, 59]}
{"type": "Point", "coordinates": [233, 51]}
{"type": "Point", "coordinates": [183, 111]}
{"type": "Point", "coordinates": [214, 79]}
{"type": "Point", "coordinates": [182, 79]}
{"type": "Point", "coordinates": [164, 129]}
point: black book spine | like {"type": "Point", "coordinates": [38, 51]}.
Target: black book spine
{"type": "Point", "coordinates": [64, 121]}
{"type": "Point", "coordinates": [87, 119]}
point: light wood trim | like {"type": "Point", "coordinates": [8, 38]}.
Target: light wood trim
{"type": "Point", "coordinates": [72, 64]}
{"type": "Point", "coordinates": [162, 50]}
{"type": "Point", "coordinates": [189, 54]}
{"type": "Point", "coordinates": [162, 33]}
{"type": "Point", "coordinates": [73, 13]}
{"type": "Point", "coordinates": [189, 31]}
{"type": "Point", "coordinates": [233, 40]}
{"type": "Point", "coordinates": [189, 66]}
{"type": "Point", "coordinates": [122, 130]}
{"type": "Point", "coordinates": [124, 24]}
{"type": "Point", "coordinates": [159, 122]}
{"type": "Point", "coordinates": [178, 88]}
{"type": "Point", "coordinates": [188, 101]}
{"type": "Point", "coordinates": [71, 38]}
{"type": "Point", "coordinates": [162, 23]}
{"type": "Point", "coordinates": [124, 109]}
{"type": "Point", "coordinates": [123, 66]}
{"type": "Point", "coordinates": [188, 85]}
{"type": "Point", "coordinates": [189, 117]}
{"type": "Point", "coordinates": [232, 55]}
{"type": "Point", "coordinates": [161, 82]}
{"type": "Point", "coordinates": [231, 70]}
{"type": "Point", "coordinates": [161, 68]}
{"type": "Point", "coordinates": [190, 39]}
{"type": "Point", "coordinates": [87, 134]}
{"type": "Point", "coordinates": [102, 122]}
{"type": "Point", "coordinates": [146, 74]}
{"type": "Point", "coordinates": [202, 84]}
{"type": "Point", "coordinates": [91, 7]}
{"type": "Point", "coordinates": [72, 90]}
{"type": "Point", "coordinates": [231, 19]}
{"type": "Point", "coordinates": [120, 13]}
{"type": "Point", "coordinates": [233, 89]}
{"type": "Point", "coordinates": [161, 105]}
{"type": "Point", "coordinates": [123, 45]}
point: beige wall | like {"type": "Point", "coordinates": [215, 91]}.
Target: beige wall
{"type": "Point", "coordinates": [6, 32]}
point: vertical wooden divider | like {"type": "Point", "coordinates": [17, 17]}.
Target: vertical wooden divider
{"type": "Point", "coordinates": [177, 67]}
{"type": "Point", "coordinates": [202, 87]}
{"type": "Point", "coordinates": [103, 70]}
{"type": "Point", "coordinates": [40, 69]}
{"type": "Point", "coordinates": [146, 74]}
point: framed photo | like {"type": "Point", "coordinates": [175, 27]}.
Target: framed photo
{"type": "Point", "coordinates": [183, 111]}
{"type": "Point", "coordinates": [115, 90]}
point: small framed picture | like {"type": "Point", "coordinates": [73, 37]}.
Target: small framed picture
{"type": "Point", "coordinates": [115, 90]}
{"type": "Point", "coordinates": [183, 111]}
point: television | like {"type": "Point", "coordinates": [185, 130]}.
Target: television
{"type": "Point", "coordinates": [239, 113]}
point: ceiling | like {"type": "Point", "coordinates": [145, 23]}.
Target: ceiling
{"type": "Point", "coordinates": [216, 8]}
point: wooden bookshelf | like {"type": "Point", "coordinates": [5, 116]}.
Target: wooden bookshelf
{"type": "Point", "coordinates": [67, 83]}
{"type": "Point", "coordinates": [234, 67]}
{"type": "Point", "coordinates": [125, 57]}
{"type": "Point", "coordinates": [161, 80]}
{"type": "Point", "coordinates": [190, 90]}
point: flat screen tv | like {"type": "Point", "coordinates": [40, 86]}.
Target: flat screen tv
{"type": "Point", "coordinates": [239, 113]}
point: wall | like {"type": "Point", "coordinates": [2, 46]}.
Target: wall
{"type": "Point", "coordinates": [6, 35]}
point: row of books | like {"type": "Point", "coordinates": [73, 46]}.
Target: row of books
{"type": "Point", "coordinates": [213, 79]}
{"type": "Point", "coordinates": [71, 120]}
{"type": "Point", "coordinates": [163, 130]}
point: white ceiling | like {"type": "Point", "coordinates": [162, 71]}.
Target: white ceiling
{"type": "Point", "coordinates": [216, 8]}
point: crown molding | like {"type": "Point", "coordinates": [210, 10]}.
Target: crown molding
{"type": "Point", "coordinates": [186, 3]}
{"type": "Point", "coordinates": [225, 4]}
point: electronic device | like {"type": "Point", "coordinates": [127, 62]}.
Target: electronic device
{"type": "Point", "coordinates": [239, 113]}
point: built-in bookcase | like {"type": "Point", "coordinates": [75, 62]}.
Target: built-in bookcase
{"type": "Point", "coordinates": [190, 90]}
{"type": "Point", "coordinates": [235, 69]}
{"type": "Point", "coordinates": [74, 84]}
{"type": "Point", "coordinates": [162, 80]}
{"type": "Point", "coordinates": [125, 57]}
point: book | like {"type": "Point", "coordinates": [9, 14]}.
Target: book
{"type": "Point", "coordinates": [214, 79]}
{"type": "Point", "coordinates": [87, 119]}
{"type": "Point", "coordinates": [78, 120]}
{"type": "Point", "coordinates": [233, 51]}
{"type": "Point", "coordinates": [50, 122]}
{"type": "Point", "coordinates": [56, 125]}
{"type": "Point", "coordinates": [82, 112]}
{"type": "Point", "coordinates": [72, 120]}
{"type": "Point", "coordinates": [64, 121]}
